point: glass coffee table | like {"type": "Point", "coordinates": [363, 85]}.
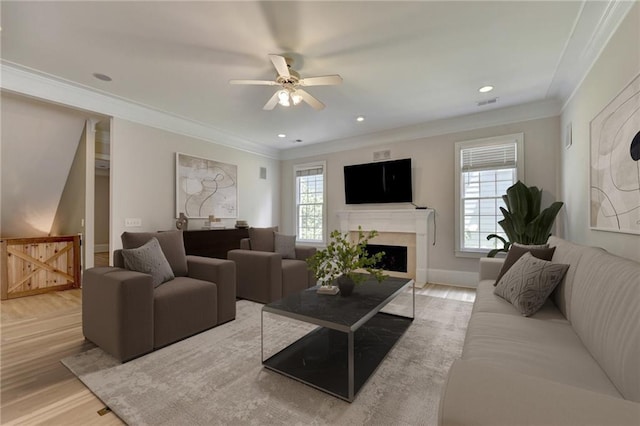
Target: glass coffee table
{"type": "Point", "coordinates": [350, 339]}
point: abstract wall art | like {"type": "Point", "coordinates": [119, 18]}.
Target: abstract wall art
{"type": "Point", "coordinates": [205, 187]}
{"type": "Point", "coordinates": [615, 165]}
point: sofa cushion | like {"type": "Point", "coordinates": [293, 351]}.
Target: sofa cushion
{"type": "Point", "coordinates": [480, 394]}
{"type": "Point", "coordinates": [172, 245]}
{"type": "Point", "coordinates": [516, 251]}
{"type": "Point", "coordinates": [545, 349]}
{"type": "Point", "coordinates": [183, 307]}
{"type": "Point", "coordinates": [569, 254]}
{"type": "Point", "coordinates": [605, 313]}
{"type": "Point", "coordinates": [487, 301]}
{"type": "Point", "coordinates": [285, 245]}
{"type": "Point", "coordinates": [529, 282]}
{"type": "Point", "coordinates": [263, 239]}
{"type": "Point", "coordinates": [149, 259]}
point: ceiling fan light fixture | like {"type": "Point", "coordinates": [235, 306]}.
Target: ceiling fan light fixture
{"type": "Point", "coordinates": [290, 83]}
{"type": "Point", "coordinates": [296, 98]}
{"type": "Point", "coordinates": [283, 97]}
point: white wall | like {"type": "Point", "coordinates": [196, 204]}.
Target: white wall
{"type": "Point", "coordinates": [69, 218]}
{"type": "Point", "coordinates": [143, 179]}
{"type": "Point", "coordinates": [39, 141]}
{"type": "Point", "coordinates": [617, 65]}
{"type": "Point", "coordinates": [433, 184]}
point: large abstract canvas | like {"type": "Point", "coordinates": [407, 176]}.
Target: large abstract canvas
{"type": "Point", "coordinates": [615, 165]}
{"type": "Point", "coordinates": [205, 187]}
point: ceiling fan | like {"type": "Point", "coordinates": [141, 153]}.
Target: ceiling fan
{"type": "Point", "coordinates": [290, 82]}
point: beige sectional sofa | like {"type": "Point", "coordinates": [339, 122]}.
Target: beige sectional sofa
{"type": "Point", "coordinates": [574, 362]}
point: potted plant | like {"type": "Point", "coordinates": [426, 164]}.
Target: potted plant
{"type": "Point", "coordinates": [342, 259]}
{"type": "Point", "coordinates": [523, 221]}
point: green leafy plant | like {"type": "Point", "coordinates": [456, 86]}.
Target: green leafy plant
{"type": "Point", "coordinates": [523, 221]}
{"type": "Point", "coordinates": [345, 257]}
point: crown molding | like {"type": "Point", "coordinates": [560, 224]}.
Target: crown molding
{"type": "Point", "coordinates": [495, 117]}
{"type": "Point", "coordinates": [29, 82]}
{"type": "Point", "coordinates": [595, 24]}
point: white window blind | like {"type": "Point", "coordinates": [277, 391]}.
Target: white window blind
{"type": "Point", "coordinates": [490, 157]}
{"type": "Point", "coordinates": [309, 172]}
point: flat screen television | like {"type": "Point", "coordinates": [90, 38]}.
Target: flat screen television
{"type": "Point", "coordinates": [381, 182]}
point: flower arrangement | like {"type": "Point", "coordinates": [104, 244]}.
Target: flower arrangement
{"type": "Point", "coordinates": [344, 257]}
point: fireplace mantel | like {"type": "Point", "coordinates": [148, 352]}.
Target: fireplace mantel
{"type": "Point", "coordinates": [414, 221]}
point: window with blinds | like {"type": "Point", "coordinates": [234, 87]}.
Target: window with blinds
{"type": "Point", "coordinates": [485, 169]}
{"type": "Point", "coordinates": [310, 196]}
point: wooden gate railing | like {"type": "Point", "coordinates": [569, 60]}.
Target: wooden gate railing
{"type": "Point", "coordinates": [37, 265]}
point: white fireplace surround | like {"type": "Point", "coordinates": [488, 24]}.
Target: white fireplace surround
{"type": "Point", "coordinates": [414, 221]}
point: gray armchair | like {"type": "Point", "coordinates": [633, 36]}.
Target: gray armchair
{"type": "Point", "coordinates": [270, 266]}
{"type": "Point", "coordinates": [128, 314]}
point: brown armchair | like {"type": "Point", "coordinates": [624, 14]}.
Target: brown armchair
{"type": "Point", "coordinates": [129, 313]}
{"type": "Point", "coordinates": [270, 266]}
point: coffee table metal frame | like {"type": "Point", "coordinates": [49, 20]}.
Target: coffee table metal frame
{"type": "Point", "coordinates": [348, 329]}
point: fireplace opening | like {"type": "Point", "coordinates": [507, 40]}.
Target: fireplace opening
{"type": "Point", "coordinates": [394, 259]}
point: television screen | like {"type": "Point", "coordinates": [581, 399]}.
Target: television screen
{"type": "Point", "coordinates": [382, 182]}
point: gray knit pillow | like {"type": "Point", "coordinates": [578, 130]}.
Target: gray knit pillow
{"type": "Point", "coordinates": [529, 282]}
{"type": "Point", "coordinates": [285, 245]}
{"type": "Point", "coordinates": [149, 259]}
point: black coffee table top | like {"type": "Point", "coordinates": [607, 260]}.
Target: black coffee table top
{"type": "Point", "coordinates": [338, 312]}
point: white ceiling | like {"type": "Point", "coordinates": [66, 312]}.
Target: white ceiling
{"type": "Point", "coordinates": [403, 63]}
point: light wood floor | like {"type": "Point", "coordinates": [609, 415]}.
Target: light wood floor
{"type": "Point", "coordinates": [38, 331]}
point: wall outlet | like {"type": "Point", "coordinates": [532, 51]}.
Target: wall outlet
{"type": "Point", "coordinates": [132, 221]}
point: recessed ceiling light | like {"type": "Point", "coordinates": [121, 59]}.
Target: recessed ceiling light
{"type": "Point", "coordinates": [282, 135]}
{"type": "Point", "coordinates": [102, 77]}
{"type": "Point", "coordinates": [485, 89]}
{"type": "Point", "coordinates": [359, 118]}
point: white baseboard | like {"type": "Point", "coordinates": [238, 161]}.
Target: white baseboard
{"type": "Point", "coordinates": [454, 278]}
{"type": "Point", "coordinates": [101, 248]}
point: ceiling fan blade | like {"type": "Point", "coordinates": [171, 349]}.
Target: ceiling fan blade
{"type": "Point", "coordinates": [316, 104]}
{"type": "Point", "coordinates": [271, 103]}
{"type": "Point", "coordinates": [254, 82]}
{"type": "Point", "coordinates": [325, 80]}
{"type": "Point", "coordinates": [281, 65]}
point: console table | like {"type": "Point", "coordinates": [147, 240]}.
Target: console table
{"type": "Point", "coordinates": [213, 242]}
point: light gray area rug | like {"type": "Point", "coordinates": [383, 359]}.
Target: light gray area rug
{"type": "Point", "coordinates": [216, 377]}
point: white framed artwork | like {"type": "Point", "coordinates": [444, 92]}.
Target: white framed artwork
{"type": "Point", "coordinates": [205, 187]}
{"type": "Point", "coordinates": [615, 166]}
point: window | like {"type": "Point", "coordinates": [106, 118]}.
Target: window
{"type": "Point", "coordinates": [485, 168]}
{"type": "Point", "coordinates": [310, 207]}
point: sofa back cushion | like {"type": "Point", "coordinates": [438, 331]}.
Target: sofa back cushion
{"type": "Point", "coordinates": [517, 251]}
{"type": "Point", "coordinates": [569, 254]}
{"type": "Point", "coordinates": [603, 305]}
{"type": "Point", "coordinates": [263, 239]}
{"type": "Point", "coordinates": [171, 242]}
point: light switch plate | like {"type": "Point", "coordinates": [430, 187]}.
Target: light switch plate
{"type": "Point", "coordinates": [133, 221]}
